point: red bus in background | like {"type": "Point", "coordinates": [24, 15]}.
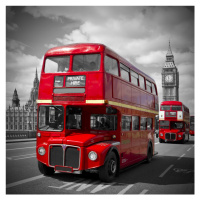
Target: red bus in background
{"type": "Point", "coordinates": [173, 122]}
{"type": "Point", "coordinates": [192, 125]}
{"type": "Point", "coordinates": [96, 112]}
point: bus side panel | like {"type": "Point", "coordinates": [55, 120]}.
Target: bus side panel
{"type": "Point", "coordinates": [46, 86]}
{"type": "Point", "coordinates": [136, 141]}
{"type": "Point", "coordinates": [126, 91]}
{"type": "Point", "coordinates": [108, 86]}
{"type": "Point", "coordinates": [94, 81]}
{"type": "Point", "coordinates": [117, 94]}
{"type": "Point", "coordinates": [135, 95]}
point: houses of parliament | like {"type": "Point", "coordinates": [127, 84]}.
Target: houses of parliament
{"type": "Point", "coordinates": [23, 118]}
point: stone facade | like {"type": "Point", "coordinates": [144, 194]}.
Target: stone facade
{"type": "Point", "coordinates": [23, 118]}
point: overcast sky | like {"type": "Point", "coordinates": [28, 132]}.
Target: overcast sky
{"type": "Point", "coordinates": [140, 34]}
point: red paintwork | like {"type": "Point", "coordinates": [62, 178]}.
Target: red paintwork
{"type": "Point", "coordinates": [192, 131]}
{"type": "Point", "coordinates": [99, 85]}
{"type": "Point", "coordinates": [183, 131]}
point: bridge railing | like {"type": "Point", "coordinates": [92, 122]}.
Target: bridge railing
{"type": "Point", "coordinates": [20, 134]}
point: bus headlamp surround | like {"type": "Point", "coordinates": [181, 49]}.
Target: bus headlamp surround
{"type": "Point", "coordinates": [41, 151]}
{"type": "Point", "coordinates": [92, 155]}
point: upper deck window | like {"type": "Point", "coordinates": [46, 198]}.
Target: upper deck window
{"type": "Point", "coordinates": [148, 84]}
{"type": "Point", "coordinates": [176, 107]}
{"type": "Point", "coordinates": [86, 62]}
{"type": "Point", "coordinates": [165, 107]}
{"type": "Point", "coordinates": [57, 64]}
{"type": "Point", "coordinates": [124, 72]}
{"type": "Point", "coordinates": [153, 89]}
{"type": "Point", "coordinates": [141, 78]}
{"type": "Point", "coordinates": [134, 78]}
{"type": "Point", "coordinates": [111, 66]}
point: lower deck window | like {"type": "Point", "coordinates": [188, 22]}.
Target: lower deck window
{"type": "Point", "coordinates": [143, 123]}
{"type": "Point", "coordinates": [126, 123]}
{"type": "Point", "coordinates": [103, 122]}
{"type": "Point", "coordinates": [135, 123]}
{"type": "Point", "coordinates": [149, 123]}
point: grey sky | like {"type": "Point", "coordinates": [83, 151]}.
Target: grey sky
{"type": "Point", "coordinates": [140, 34]}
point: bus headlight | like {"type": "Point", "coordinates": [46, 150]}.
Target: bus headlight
{"type": "Point", "coordinates": [161, 134]}
{"type": "Point", "coordinates": [39, 134]}
{"type": "Point", "coordinates": [41, 151]}
{"type": "Point", "coordinates": [92, 155]}
{"type": "Point", "coordinates": [180, 136]}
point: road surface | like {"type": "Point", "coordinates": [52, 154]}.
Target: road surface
{"type": "Point", "coordinates": [170, 172]}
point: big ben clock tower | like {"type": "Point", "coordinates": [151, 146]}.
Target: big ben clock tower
{"type": "Point", "coordinates": [170, 78]}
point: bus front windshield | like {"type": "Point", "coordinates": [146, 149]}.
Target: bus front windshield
{"type": "Point", "coordinates": [73, 118]}
{"type": "Point", "coordinates": [176, 125]}
{"type": "Point", "coordinates": [51, 118]}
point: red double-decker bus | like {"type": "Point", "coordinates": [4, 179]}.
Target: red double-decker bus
{"type": "Point", "coordinates": [174, 119]}
{"type": "Point", "coordinates": [96, 112]}
{"type": "Point", "coordinates": [192, 125]}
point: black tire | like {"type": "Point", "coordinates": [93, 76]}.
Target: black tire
{"type": "Point", "coordinates": [160, 140]}
{"type": "Point", "coordinates": [47, 171]}
{"type": "Point", "coordinates": [108, 171]}
{"type": "Point", "coordinates": [183, 140]}
{"type": "Point", "coordinates": [149, 154]}
{"type": "Point", "coordinates": [188, 138]}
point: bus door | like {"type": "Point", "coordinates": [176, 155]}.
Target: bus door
{"type": "Point", "coordinates": [126, 140]}
{"type": "Point", "coordinates": [143, 136]}
{"type": "Point", "coordinates": [135, 147]}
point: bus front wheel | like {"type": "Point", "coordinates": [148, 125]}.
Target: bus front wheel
{"type": "Point", "coordinates": [45, 170]}
{"type": "Point", "coordinates": [160, 140]}
{"type": "Point", "coordinates": [149, 154]}
{"type": "Point", "coordinates": [108, 171]}
{"type": "Point", "coordinates": [183, 140]}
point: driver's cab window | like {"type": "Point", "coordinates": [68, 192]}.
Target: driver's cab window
{"type": "Point", "coordinates": [73, 118]}
{"type": "Point", "coordinates": [51, 118]}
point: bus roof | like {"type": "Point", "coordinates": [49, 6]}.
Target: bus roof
{"type": "Point", "coordinates": [173, 103]}
{"type": "Point", "coordinates": [78, 48]}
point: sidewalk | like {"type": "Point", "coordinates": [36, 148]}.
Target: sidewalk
{"type": "Point", "coordinates": [21, 140]}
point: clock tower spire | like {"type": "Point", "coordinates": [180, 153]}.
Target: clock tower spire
{"type": "Point", "coordinates": [170, 78]}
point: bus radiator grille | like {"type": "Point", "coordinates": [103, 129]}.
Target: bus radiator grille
{"type": "Point", "coordinates": [170, 136]}
{"type": "Point", "coordinates": [167, 136]}
{"type": "Point", "coordinates": [72, 157]}
{"type": "Point", "coordinates": [56, 155]}
{"type": "Point", "coordinates": [173, 136]}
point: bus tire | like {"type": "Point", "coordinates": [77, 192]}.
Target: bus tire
{"type": "Point", "coordinates": [149, 154]}
{"type": "Point", "coordinates": [160, 140]}
{"type": "Point", "coordinates": [47, 171]}
{"type": "Point", "coordinates": [183, 140]}
{"type": "Point", "coordinates": [108, 171]}
{"type": "Point", "coordinates": [188, 138]}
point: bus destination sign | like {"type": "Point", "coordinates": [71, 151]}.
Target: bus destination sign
{"type": "Point", "coordinates": [75, 81]}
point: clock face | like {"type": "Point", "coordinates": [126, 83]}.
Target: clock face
{"type": "Point", "coordinates": [169, 78]}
